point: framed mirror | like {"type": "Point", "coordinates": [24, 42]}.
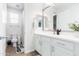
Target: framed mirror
{"type": "Point", "coordinates": [38, 22]}
{"type": "Point", "coordinates": [50, 18]}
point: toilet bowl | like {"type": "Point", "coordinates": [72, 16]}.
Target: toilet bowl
{"type": "Point", "coordinates": [14, 41]}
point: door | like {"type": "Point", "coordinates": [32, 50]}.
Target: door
{"type": "Point", "coordinates": [3, 19]}
{"type": "Point", "coordinates": [37, 43]}
{"type": "Point", "coordinates": [46, 47]}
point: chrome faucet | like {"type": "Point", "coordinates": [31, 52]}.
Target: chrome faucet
{"type": "Point", "coordinates": [58, 31]}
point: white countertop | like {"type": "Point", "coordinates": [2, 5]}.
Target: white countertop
{"type": "Point", "coordinates": [63, 36]}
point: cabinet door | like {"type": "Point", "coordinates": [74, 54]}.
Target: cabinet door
{"type": "Point", "coordinates": [62, 52]}
{"type": "Point", "coordinates": [76, 49]}
{"type": "Point", "coordinates": [45, 48]}
{"type": "Point", "coordinates": [65, 44]}
{"type": "Point", "coordinates": [52, 46]}
{"type": "Point", "coordinates": [37, 43]}
{"type": "Point", "coordinates": [52, 51]}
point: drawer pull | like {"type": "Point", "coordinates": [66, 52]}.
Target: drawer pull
{"type": "Point", "coordinates": [61, 43]}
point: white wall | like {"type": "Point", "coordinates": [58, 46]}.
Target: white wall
{"type": "Point", "coordinates": [71, 15]}
{"type": "Point", "coordinates": [30, 11]}
{"type": "Point", "coordinates": [3, 18]}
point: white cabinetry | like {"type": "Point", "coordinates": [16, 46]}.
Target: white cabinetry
{"type": "Point", "coordinates": [63, 48]}
{"type": "Point", "coordinates": [59, 51]}
{"type": "Point", "coordinates": [54, 46]}
{"type": "Point", "coordinates": [37, 43]}
{"type": "Point", "coordinates": [42, 45]}
{"type": "Point", "coordinates": [45, 47]}
{"type": "Point", "coordinates": [76, 49]}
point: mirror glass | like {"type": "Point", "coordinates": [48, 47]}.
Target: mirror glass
{"type": "Point", "coordinates": [67, 13]}
{"type": "Point", "coordinates": [60, 16]}
{"type": "Point", "coordinates": [49, 17]}
{"type": "Point", "coordinates": [57, 17]}
{"type": "Point", "coordinates": [38, 22]}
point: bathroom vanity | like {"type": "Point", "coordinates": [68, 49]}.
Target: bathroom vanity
{"type": "Point", "coordinates": [49, 44]}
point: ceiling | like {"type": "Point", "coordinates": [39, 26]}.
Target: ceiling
{"type": "Point", "coordinates": [59, 7]}
{"type": "Point", "coordinates": [18, 6]}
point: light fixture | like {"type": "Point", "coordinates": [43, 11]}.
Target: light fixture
{"type": "Point", "coordinates": [50, 4]}
{"type": "Point", "coordinates": [17, 6]}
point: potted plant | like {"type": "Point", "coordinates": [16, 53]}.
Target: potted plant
{"type": "Point", "coordinates": [75, 27]}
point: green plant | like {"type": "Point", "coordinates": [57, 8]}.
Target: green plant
{"type": "Point", "coordinates": [74, 26]}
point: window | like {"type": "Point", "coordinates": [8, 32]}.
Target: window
{"type": "Point", "coordinates": [13, 17]}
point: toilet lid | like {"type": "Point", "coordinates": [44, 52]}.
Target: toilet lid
{"type": "Point", "coordinates": [14, 39]}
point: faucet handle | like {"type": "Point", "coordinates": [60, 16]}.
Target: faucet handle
{"type": "Point", "coordinates": [58, 31]}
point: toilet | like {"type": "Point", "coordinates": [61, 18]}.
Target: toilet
{"type": "Point", "coordinates": [14, 40]}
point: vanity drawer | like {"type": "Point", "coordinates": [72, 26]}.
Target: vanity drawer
{"type": "Point", "coordinates": [59, 51]}
{"type": "Point", "coordinates": [64, 44]}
